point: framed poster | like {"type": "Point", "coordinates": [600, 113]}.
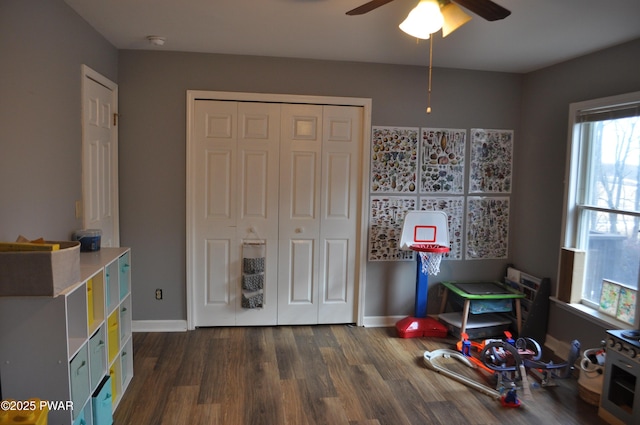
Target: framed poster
{"type": "Point", "coordinates": [618, 301]}
{"type": "Point", "coordinates": [626, 311]}
{"type": "Point", "coordinates": [394, 160]}
{"type": "Point", "coordinates": [442, 159]}
{"type": "Point", "coordinates": [609, 297]}
{"type": "Point", "coordinates": [487, 228]}
{"type": "Point", "coordinates": [491, 161]}
{"type": "Point", "coordinates": [454, 207]}
{"type": "Point", "coordinates": [386, 219]}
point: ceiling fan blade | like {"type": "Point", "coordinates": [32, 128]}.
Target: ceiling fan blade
{"type": "Point", "coordinates": [368, 7]}
{"type": "Point", "coordinates": [485, 8]}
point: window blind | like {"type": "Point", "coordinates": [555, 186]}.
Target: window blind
{"type": "Point", "coordinates": [608, 113]}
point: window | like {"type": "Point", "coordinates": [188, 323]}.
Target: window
{"type": "Point", "coordinates": [602, 212]}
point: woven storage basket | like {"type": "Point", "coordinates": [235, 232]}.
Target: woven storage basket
{"type": "Point", "coordinates": [253, 265]}
{"type": "Point", "coordinates": [589, 396]}
{"type": "Point", "coordinates": [253, 282]}
{"type": "Point", "coordinates": [591, 377]}
{"type": "Point", "coordinates": [253, 301]}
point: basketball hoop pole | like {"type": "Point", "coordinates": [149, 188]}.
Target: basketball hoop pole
{"type": "Point", "coordinates": [424, 268]}
{"type": "Point", "coordinates": [422, 287]}
{"type": "Point", "coordinates": [420, 324]}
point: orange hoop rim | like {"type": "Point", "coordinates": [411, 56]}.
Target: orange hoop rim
{"type": "Point", "coordinates": [433, 248]}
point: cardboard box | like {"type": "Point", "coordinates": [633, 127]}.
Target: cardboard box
{"type": "Point", "coordinates": [36, 273]}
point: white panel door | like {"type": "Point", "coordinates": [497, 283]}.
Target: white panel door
{"type": "Point", "coordinates": [258, 162]}
{"type": "Point", "coordinates": [287, 176]}
{"type": "Point", "coordinates": [236, 157]}
{"type": "Point", "coordinates": [100, 156]}
{"type": "Point", "coordinates": [216, 249]}
{"type": "Point", "coordinates": [300, 171]}
{"type": "Point", "coordinates": [341, 153]}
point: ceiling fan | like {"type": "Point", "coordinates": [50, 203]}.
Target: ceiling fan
{"type": "Point", "coordinates": [431, 15]}
{"type": "Point", "coordinates": [454, 16]}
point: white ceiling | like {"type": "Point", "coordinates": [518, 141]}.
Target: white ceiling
{"type": "Point", "coordinates": [537, 34]}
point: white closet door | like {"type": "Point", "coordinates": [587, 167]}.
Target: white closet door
{"type": "Point", "coordinates": [341, 153]}
{"type": "Point", "coordinates": [215, 245]}
{"type": "Point", "coordinates": [288, 176]}
{"type": "Point", "coordinates": [300, 171]}
{"type": "Point", "coordinates": [236, 160]}
{"type": "Point", "coordinates": [258, 162]}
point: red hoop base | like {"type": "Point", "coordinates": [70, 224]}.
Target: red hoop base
{"type": "Point", "coordinates": [412, 327]}
{"type": "Point", "coordinates": [427, 247]}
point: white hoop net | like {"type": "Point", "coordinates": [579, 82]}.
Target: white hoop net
{"type": "Point", "coordinates": [430, 262]}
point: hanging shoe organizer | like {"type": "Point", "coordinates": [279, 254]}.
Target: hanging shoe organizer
{"type": "Point", "coordinates": [253, 264]}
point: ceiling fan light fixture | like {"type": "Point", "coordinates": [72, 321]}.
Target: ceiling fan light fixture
{"type": "Point", "coordinates": [454, 18]}
{"type": "Point", "coordinates": [423, 20]}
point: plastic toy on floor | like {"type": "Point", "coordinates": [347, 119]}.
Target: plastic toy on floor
{"type": "Point", "coordinates": [426, 233]}
{"type": "Point", "coordinates": [530, 353]}
{"type": "Point", "coordinates": [501, 356]}
{"type": "Point", "coordinates": [546, 372]}
{"type": "Point", "coordinates": [506, 360]}
{"type": "Point", "coordinates": [510, 399]}
{"type": "Point", "coordinates": [467, 347]}
{"type": "Point", "coordinates": [430, 360]}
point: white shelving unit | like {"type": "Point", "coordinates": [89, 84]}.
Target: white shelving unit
{"type": "Point", "coordinates": [73, 347]}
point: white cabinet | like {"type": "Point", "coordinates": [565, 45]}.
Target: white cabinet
{"type": "Point", "coordinates": [62, 348]}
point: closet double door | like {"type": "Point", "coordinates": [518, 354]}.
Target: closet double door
{"type": "Point", "coordinates": [286, 178]}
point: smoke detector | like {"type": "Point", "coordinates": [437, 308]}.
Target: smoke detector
{"type": "Point", "coordinates": [156, 40]}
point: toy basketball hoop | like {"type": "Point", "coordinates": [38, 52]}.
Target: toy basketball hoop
{"type": "Point", "coordinates": [427, 233]}
{"type": "Point", "coordinates": [430, 256]}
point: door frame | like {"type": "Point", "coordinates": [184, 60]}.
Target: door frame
{"type": "Point", "coordinates": [87, 75]}
{"type": "Point", "coordinates": [365, 161]}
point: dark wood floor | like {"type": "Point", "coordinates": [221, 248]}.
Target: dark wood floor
{"type": "Point", "coordinates": [316, 375]}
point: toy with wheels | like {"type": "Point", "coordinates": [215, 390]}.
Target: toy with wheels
{"type": "Point", "coordinates": [546, 372]}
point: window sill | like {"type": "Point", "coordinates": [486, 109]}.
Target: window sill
{"type": "Point", "coordinates": [591, 315]}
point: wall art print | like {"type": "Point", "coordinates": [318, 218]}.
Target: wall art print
{"type": "Point", "coordinates": [385, 227]}
{"type": "Point", "coordinates": [609, 297]}
{"type": "Point", "coordinates": [490, 161]}
{"type": "Point", "coordinates": [442, 154]}
{"type": "Point", "coordinates": [618, 301]}
{"type": "Point", "coordinates": [454, 207]}
{"type": "Point", "coordinates": [487, 228]}
{"type": "Point", "coordinates": [627, 305]}
{"type": "Point", "coordinates": [394, 160]}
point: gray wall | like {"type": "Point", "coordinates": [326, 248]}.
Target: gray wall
{"type": "Point", "coordinates": [540, 163]}
{"type": "Point", "coordinates": [42, 46]}
{"type": "Point", "coordinates": [152, 103]}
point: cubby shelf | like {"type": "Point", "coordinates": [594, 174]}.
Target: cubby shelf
{"type": "Point", "coordinates": [82, 338]}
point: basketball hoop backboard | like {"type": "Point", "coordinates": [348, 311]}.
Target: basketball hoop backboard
{"type": "Point", "coordinates": [424, 227]}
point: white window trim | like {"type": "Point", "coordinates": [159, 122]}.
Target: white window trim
{"type": "Point", "coordinates": [569, 231]}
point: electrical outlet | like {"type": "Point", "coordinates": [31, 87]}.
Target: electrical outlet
{"type": "Point", "coordinates": [158, 294]}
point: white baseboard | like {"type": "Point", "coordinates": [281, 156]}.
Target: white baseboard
{"type": "Point", "coordinates": [181, 325]}
{"type": "Point", "coordinates": [380, 321]}
{"type": "Point", "coordinates": [559, 348]}
{"type": "Point", "coordinates": [158, 325]}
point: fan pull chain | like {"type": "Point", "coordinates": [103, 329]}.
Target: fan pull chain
{"type": "Point", "coordinates": [430, 69]}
